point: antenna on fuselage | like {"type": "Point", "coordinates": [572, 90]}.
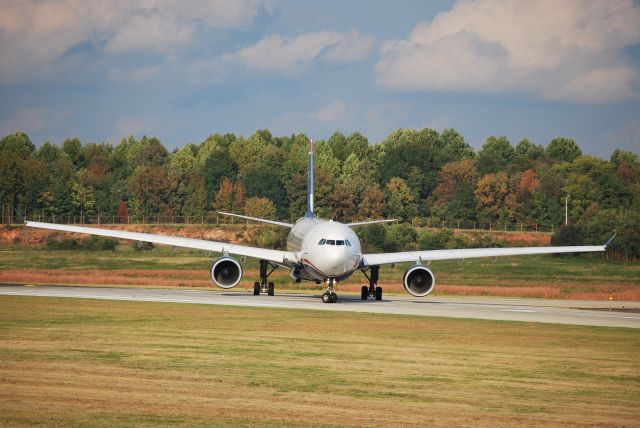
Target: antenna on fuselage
{"type": "Point", "coordinates": [310, 182]}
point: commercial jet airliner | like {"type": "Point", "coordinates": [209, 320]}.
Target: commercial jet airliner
{"type": "Point", "coordinates": [323, 251]}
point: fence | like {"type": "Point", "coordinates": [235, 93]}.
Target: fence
{"type": "Point", "coordinates": [498, 226]}
{"type": "Point", "coordinates": [214, 219]}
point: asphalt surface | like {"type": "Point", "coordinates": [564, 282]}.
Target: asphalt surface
{"type": "Point", "coordinates": [581, 312]}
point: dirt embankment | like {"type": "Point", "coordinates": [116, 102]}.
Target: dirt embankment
{"type": "Point", "coordinates": [31, 237]}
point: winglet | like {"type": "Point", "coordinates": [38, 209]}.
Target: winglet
{"type": "Point", "coordinates": [606, 244]}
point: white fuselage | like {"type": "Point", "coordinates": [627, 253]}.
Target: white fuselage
{"type": "Point", "coordinates": [327, 249]}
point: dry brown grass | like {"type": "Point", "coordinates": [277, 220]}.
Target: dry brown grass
{"type": "Point", "coordinates": [69, 362]}
{"type": "Point", "coordinates": [200, 278]}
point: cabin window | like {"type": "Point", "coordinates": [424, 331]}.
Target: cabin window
{"type": "Point", "coordinates": [340, 242]}
{"type": "Point", "coordinates": [331, 242]}
{"type": "Point", "coordinates": [322, 241]}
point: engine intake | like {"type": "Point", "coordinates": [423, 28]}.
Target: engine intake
{"type": "Point", "coordinates": [418, 280]}
{"type": "Point", "coordinates": [226, 272]}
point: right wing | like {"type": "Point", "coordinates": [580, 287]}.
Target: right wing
{"type": "Point", "coordinates": [275, 256]}
{"type": "Point", "coordinates": [467, 253]}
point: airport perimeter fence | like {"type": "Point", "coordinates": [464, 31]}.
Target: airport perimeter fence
{"type": "Point", "coordinates": [213, 219]}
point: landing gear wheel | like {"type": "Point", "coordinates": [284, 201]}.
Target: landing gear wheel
{"type": "Point", "coordinates": [334, 297]}
{"type": "Point", "coordinates": [373, 290]}
{"type": "Point", "coordinates": [364, 292]}
{"type": "Point", "coordinates": [263, 286]}
{"type": "Point", "coordinates": [326, 297]}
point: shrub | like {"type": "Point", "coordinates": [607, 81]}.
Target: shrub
{"type": "Point", "coordinates": [64, 244]}
{"type": "Point", "coordinates": [434, 240]}
{"type": "Point", "coordinates": [567, 235]}
{"type": "Point", "coordinates": [372, 237]}
{"type": "Point", "coordinates": [94, 243]}
{"type": "Point", "coordinates": [400, 237]}
{"type": "Point", "coordinates": [99, 243]}
{"type": "Point", "coordinates": [485, 240]}
{"type": "Point", "coordinates": [270, 237]}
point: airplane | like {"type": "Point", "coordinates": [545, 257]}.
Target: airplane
{"type": "Point", "coordinates": [324, 251]}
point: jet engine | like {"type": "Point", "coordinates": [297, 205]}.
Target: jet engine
{"type": "Point", "coordinates": [418, 280]}
{"type": "Point", "coordinates": [226, 272]}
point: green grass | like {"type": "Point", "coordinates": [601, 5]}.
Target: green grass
{"type": "Point", "coordinates": [76, 362]}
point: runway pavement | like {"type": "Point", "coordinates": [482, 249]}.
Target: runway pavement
{"type": "Point", "coordinates": [490, 308]}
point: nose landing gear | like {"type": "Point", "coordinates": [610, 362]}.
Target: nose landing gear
{"type": "Point", "coordinates": [330, 296]}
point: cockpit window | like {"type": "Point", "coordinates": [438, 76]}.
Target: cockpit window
{"type": "Point", "coordinates": [346, 241]}
{"type": "Point", "coordinates": [331, 242]}
{"type": "Point", "coordinates": [340, 242]}
{"type": "Point", "coordinates": [322, 241]}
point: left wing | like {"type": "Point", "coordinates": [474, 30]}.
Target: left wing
{"type": "Point", "coordinates": [423, 256]}
{"type": "Point", "coordinates": [275, 256]}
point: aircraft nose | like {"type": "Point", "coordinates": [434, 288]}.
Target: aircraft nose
{"type": "Point", "coordinates": [335, 262]}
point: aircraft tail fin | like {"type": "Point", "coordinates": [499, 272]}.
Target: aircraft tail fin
{"type": "Point", "coordinates": [262, 220]}
{"type": "Point", "coordinates": [310, 212]}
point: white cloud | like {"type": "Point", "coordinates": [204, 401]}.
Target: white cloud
{"type": "Point", "coordinates": [351, 47]}
{"type": "Point", "coordinates": [135, 74]}
{"type": "Point", "coordinates": [561, 51]}
{"type": "Point", "coordinates": [277, 54]}
{"type": "Point", "coordinates": [332, 112]}
{"type": "Point", "coordinates": [158, 32]}
{"type": "Point", "coordinates": [34, 34]}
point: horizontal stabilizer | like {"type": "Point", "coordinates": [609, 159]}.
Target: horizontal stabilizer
{"type": "Point", "coordinates": [360, 223]}
{"type": "Point", "coordinates": [246, 217]}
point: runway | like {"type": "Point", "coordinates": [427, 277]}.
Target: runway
{"type": "Point", "coordinates": [592, 313]}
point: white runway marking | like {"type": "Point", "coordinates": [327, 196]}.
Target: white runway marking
{"type": "Point", "coordinates": [488, 308]}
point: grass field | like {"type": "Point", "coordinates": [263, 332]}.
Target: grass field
{"type": "Point", "coordinates": [71, 362]}
{"type": "Point", "coordinates": [527, 276]}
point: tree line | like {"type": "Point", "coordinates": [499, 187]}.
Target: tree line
{"type": "Point", "coordinates": [418, 176]}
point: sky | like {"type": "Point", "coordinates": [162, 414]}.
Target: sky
{"type": "Point", "coordinates": [180, 71]}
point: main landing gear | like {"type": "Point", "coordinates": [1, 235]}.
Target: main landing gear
{"type": "Point", "coordinates": [373, 290]}
{"type": "Point", "coordinates": [263, 286]}
{"type": "Point", "coordinates": [330, 295]}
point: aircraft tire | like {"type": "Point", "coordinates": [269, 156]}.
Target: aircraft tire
{"type": "Point", "coordinates": [326, 297]}
{"type": "Point", "coordinates": [271, 288]}
{"type": "Point", "coordinates": [334, 297]}
{"type": "Point", "coordinates": [378, 293]}
{"type": "Point", "coordinates": [256, 288]}
{"type": "Point", "coordinates": [364, 292]}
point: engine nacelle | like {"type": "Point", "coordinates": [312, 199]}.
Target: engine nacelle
{"type": "Point", "coordinates": [226, 272]}
{"type": "Point", "coordinates": [418, 280]}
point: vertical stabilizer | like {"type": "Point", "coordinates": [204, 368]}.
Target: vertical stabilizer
{"type": "Point", "coordinates": [310, 183]}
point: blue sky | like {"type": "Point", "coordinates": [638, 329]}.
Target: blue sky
{"type": "Point", "coordinates": [183, 70]}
